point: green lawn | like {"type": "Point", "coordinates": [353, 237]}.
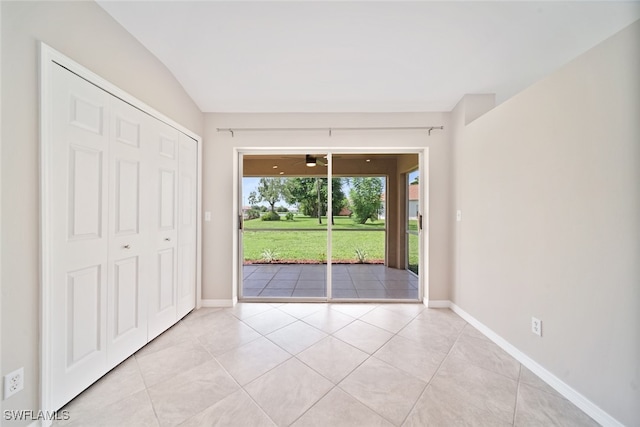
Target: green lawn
{"type": "Point", "coordinates": [310, 245]}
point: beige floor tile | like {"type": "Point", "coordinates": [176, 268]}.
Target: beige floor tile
{"type": "Point", "coordinates": [234, 335]}
{"type": "Point", "coordinates": [387, 390]}
{"type": "Point", "coordinates": [411, 310]}
{"type": "Point", "coordinates": [488, 391]}
{"type": "Point", "coordinates": [338, 409]}
{"type": "Point", "coordinates": [190, 392]}
{"type": "Point", "coordinates": [296, 337]}
{"type": "Point", "coordinates": [538, 408]}
{"type": "Point", "coordinates": [437, 341]}
{"type": "Point", "coordinates": [238, 409]}
{"type": "Point", "coordinates": [217, 319]}
{"type": "Point", "coordinates": [487, 355]}
{"type": "Point", "coordinates": [171, 361]}
{"type": "Point", "coordinates": [246, 310]}
{"type": "Point", "coordinates": [529, 378]}
{"type": "Point", "coordinates": [269, 321]}
{"type": "Point", "coordinates": [333, 358]}
{"type": "Point", "coordinates": [177, 334]}
{"type": "Point", "coordinates": [328, 321]}
{"type": "Point", "coordinates": [251, 360]}
{"type": "Point", "coordinates": [416, 359]}
{"type": "Point", "coordinates": [353, 310]}
{"type": "Point", "coordinates": [134, 411]}
{"type": "Point", "coordinates": [122, 382]}
{"type": "Point", "coordinates": [288, 391]}
{"type": "Point", "coordinates": [386, 319]}
{"type": "Point", "coordinates": [364, 336]}
{"type": "Point", "coordinates": [438, 407]}
{"type": "Point", "coordinates": [301, 310]}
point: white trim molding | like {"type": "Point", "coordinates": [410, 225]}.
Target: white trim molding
{"type": "Point", "coordinates": [438, 303]}
{"type": "Point", "coordinates": [587, 406]}
{"type": "Point", "coordinates": [217, 303]}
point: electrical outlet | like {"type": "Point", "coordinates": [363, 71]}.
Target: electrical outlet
{"type": "Point", "coordinates": [13, 382]}
{"type": "Point", "coordinates": [536, 326]}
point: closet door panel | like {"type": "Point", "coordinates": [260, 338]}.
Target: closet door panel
{"type": "Point", "coordinates": [187, 227]}
{"type": "Point", "coordinates": [129, 259]}
{"type": "Point", "coordinates": [162, 299]}
{"type": "Point", "coordinates": [77, 209]}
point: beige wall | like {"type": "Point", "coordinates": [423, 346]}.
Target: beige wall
{"type": "Point", "coordinates": [549, 188]}
{"type": "Point", "coordinates": [87, 34]}
{"type": "Point", "coordinates": [218, 178]}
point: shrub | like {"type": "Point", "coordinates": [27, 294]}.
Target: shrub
{"type": "Point", "coordinates": [361, 255]}
{"type": "Point", "coordinates": [253, 214]}
{"type": "Point", "coordinates": [289, 216]}
{"type": "Point", "coordinates": [281, 209]}
{"type": "Point", "coordinates": [270, 216]}
{"type": "Point", "coordinates": [269, 255]}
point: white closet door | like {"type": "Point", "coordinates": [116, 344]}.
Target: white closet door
{"type": "Point", "coordinates": [187, 230]}
{"type": "Point", "coordinates": [130, 259]}
{"type": "Point", "coordinates": [79, 234]}
{"type": "Point", "coordinates": [162, 301]}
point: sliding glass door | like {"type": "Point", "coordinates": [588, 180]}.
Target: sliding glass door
{"type": "Point", "coordinates": [324, 226]}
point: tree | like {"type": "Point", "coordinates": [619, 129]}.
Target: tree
{"type": "Point", "coordinates": [270, 190]}
{"type": "Point", "coordinates": [366, 198]}
{"type": "Point", "coordinates": [415, 181]}
{"type": "Point", "coordinates": [304, 193]}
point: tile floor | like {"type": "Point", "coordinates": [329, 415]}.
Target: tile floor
{"type": "Point", "coordinates": [322, 365]}
{"type": "Point", "coordinates": [352, 281]}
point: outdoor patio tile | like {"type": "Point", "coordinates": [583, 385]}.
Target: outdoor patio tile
{"type": "Point", "coordinates": [254, 284]}
{"type": "Point", "coordinates": [267, 268]}
{"type": "Point", "coordinates": [281, 284]}
{"type": "Point", "coordinates": [259, 276]}
{"type": "Point", "coordinates": [310, 284]}
{"type": "Point", "coordinates": [368, 284]}
{"type": "Point", "coordinates": [251, 292]}
{"type": "Point", "coordinates": [402, 294]}
{"type": "Point", "coordinates": [342, 284]}
{"type": "Point", "coordinates": [309, 292]}
{"type": "Point", "coordinates": [396, 284]}
{"type": "Point", "coordinates": [363, 277]}
{"type": "Point", "coordinates": [372, 293]}
{"type": "Point", "coordinates": [304, 276]}
{"type": "Point", "coordinates": [344, 293]}
{"type": "Point", "coordinates": [276, 292]}
{"type": "Point", "coordinates": [286, 276]}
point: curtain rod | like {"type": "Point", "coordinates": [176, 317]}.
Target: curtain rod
{"type": "Point", "coordinates": [232, 131]}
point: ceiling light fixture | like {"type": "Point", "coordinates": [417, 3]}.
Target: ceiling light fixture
{"type": "Point", "coordinates": [275, 166]}
{"type": "Point", "coordinates": [368, 160]}
{"type": "Point", "coordinates": [281, 173]}
{"type": "Point", "coordinates": [310, 161]}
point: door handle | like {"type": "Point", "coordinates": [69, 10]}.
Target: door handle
{"type": "Point", "coordinates": [420, 222]}
{"type": "Point", "coordinates": [167, 239]}
{"type": "Point", "coordinates": [127, 246]}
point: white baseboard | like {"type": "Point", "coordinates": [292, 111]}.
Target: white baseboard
{"type": "Point", "coordinates": [556, 383]}
{"type": "Point", "coordinates": [217, 303]}
{"type": "Point", "coordinates": [438, 303]}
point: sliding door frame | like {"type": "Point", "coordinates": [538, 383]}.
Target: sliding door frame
{"type": "Point", "coordinates": [238, 261]}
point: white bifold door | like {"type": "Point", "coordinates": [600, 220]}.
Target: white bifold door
{"type": "Point", "coordinates": [122, 203]}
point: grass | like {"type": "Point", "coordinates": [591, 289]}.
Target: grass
{"type": "Point", "coordinates": [310, 244]}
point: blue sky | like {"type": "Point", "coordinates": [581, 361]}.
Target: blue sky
{"type": "Point", "coordinates": [251, 184]}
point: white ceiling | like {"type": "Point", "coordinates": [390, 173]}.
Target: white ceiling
{"type": "Point", "coordinates": [363, 56]}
